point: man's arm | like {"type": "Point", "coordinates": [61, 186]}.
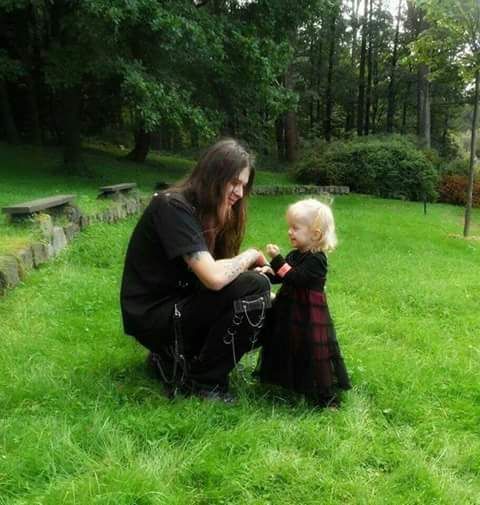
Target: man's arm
{"type": "Point", "coordinates": [216, 274]}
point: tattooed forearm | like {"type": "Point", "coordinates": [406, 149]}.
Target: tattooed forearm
{"type": "Point", "coordinates": [217, 274]}
{"type": "Point", "coordinates": [233, 267]}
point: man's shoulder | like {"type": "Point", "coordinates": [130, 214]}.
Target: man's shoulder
{"type": "Point", "coordinates": [172, 200]}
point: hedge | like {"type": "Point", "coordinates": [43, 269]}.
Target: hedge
{"type": "Point", "coordinates": [390, 167]}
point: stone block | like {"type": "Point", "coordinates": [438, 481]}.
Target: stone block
{"type": "Point", "coordinates": [50, 251]}
{"type": "Point", "coordinates": [114, 213]}
{"type": "Point", "coordinates": [40, 253]}
{"type": "Point", "coordinates": [122, 212]}
{"type": "Point", "coordinates": [71, 230]}
{"type": "Point", "coordinates": [72, 213]}
{"type": "Point", "coordinates": [9, 272]}
{"type": "Point", "coordinates": [84, 222]}
{"type": "Point", "coordinates": [25, 256]}
{"type": "Point", "coordinates": [45, 224]}
{"type": "Point", "coordinates": [59, 240]}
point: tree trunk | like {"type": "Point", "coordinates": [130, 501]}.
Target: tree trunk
{"type": "Point", "coordinates": [350, 113]}
{"type": "Point", "coordinates": [280, 137]}
{"type": "Point", "coordinates": [291, 136]}
{"type": "Point", "coordinates": [328, 91]}
{"type": "Point", "coordinates": [142, 146]}
{"type": "Point", "coordinates": [375, 104]}
{"type": "Point", "coordinates": [311, 104]}
{"type": "Point", "coordinates": [446, 126]}
{"type": "Point", "coordinates": [403, 128]}
{"type": "Point", "coordinates": [473, 144]}
{"type": "Point", "coordinates": [72, 156]}
{"type": "Point", "coordinates": [194, 138]}
{"type": "Point", "coordinates": [368, 98]}
{"type": "Point", "coordinates": [423, 100]}
{"type": "Point", "coordinates": [319, 76]}
{"type": "Point", "coordinates": [393, 67]}
{"type": "Point", "coordinates": [427, 134]}
{"type": "Point", "coordinates": [290, 124]}
{"type": "Point", "coordinates": [35, 129]}
{"type": "Point", "coordinates": [156, 140]}
{"type": "Point", "coordinates": [419, 104]}
{"type": "Point", "coordinates": [11, 133]}
{"type": "Point", "coordinates": [361, 79]}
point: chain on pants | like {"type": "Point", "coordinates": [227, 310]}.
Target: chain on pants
{"type": "Point", "coordinates": [242, 308]}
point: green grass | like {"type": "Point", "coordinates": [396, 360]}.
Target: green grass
{"type": "Point", "coordinates": [82, 423]}
{"type": "Point", "coordinates": [28, 173]}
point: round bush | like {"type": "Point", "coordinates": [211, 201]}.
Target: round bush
{"type": "Point", "coordinates": [390, 167]}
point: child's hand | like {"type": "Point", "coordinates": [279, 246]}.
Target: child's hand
{"type": "Point", "coordinates": [266, 270]}
{"type": "Point", "coordinates": [272, 250]}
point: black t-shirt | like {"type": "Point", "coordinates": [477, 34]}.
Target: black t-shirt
{"type": "Point", "coordinates": [155, 274]}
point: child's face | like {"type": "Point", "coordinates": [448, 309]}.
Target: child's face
{"type": "Point", "coordinates": [299, 232]}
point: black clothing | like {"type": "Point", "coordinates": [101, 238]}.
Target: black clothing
{"type": "Point", "coordinates": [300, 348]}
{"type": "Point", "coordinates": [157, 280]}
{"type": "Point", "coordinates": [155, 274]}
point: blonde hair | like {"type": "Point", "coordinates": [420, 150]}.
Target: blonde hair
{"type": "Point", "coordinates": [319, 217]}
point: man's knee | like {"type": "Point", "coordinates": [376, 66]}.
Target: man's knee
{"type": "Point", "coordinates": [252, 283]}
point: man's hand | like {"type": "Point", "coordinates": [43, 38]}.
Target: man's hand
{"type": "Point", "coordinates": [261, 260]}
{"type": "Point", "coordinates": [272, 250]}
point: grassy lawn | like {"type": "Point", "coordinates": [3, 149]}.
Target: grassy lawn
{"type": "Point", "coordinates": [28, 173]}
{"type": "Point", "coordinates": [81, 422]}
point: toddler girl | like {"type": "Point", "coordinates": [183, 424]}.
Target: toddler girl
{"type": "Point", "coordinates": [300, 349]}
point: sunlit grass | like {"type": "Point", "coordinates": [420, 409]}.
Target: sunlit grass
{"type": "Point", "coordinates": [82, 422]}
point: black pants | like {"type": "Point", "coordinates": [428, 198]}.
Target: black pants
{"type": "Point", "coordinates": [206, 318]}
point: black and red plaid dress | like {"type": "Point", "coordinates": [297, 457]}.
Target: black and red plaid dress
{"type": "Point", "coordinates": [300, 349]}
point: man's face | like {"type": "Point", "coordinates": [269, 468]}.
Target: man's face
{"type": "Point", "coordinates": [235, 188]}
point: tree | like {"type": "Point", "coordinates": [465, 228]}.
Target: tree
{"type": "Point", "coordinates": [361, 78]}
{"type": "Point", "coordinates": [393, 70]}
{"type": "Point", "coordinates": [454, 36]}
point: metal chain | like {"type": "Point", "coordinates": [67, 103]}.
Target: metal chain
{"type": "Point", "coordinates": [259, 323]}
{"type": "Point", "coordinates": [237, 321]}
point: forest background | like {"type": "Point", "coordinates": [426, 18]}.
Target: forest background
{"type": "Point", "coordinates": [289, 78]}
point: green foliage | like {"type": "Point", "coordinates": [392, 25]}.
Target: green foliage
{"type": "Point", "coordinates": [391, 167]}
{"type": "Point", "coordinates": [458, 166]}
{"type": "Point", "coordinates": [10, 69]}
{"type": "Point", "coordinates": [154, 103]}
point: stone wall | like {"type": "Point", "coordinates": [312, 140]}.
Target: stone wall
{"type": "Point", "coordinates": [54, 238]}
{"type": "Point", "coordinates": [300, 190]}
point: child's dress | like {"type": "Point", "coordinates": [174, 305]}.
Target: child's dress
{"type": "Point", "coordinates": [300, 349]}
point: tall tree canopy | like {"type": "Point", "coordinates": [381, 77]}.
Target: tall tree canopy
{"type": "Point", "coordinates": [178, 72]}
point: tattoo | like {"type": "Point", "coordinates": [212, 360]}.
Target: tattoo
{"type": "Point", "coordinates": [235, 266]}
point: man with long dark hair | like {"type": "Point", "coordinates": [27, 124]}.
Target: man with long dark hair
{"type": "Point", "coordinates": [187, 294]}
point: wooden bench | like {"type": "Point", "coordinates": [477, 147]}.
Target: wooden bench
{"type": "Point", "coordinates": [28, 208]}
{"type": "Point", "coordinates": [115, 189]}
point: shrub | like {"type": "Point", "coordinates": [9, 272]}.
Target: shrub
{"type": "Point", "coordinates": [453, 189]}
{"type": "Point", "coordinates": [391, 167]}
{"type": "Point", "coordinates": [459, 166]}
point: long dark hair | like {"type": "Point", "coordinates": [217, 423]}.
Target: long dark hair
{"type": "Point", "coordinates": [205, 188]}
